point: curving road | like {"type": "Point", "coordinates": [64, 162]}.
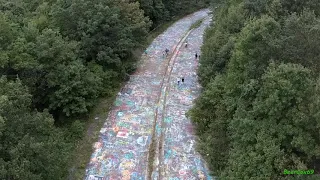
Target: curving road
{"type": "Point", "coordinates": [146, 134]}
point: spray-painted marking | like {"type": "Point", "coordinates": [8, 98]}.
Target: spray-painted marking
{"type": "Point", "coordinates": [122, 149]}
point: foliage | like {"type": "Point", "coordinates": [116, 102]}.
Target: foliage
{"type": "Point", "coordinates": [161, 10]}
{"type": "Point", "coordinates": [209, 110]}
{"type": "Point", "coordinates": [219, 42]}
{"type": "Point", "coordinates": [300, 40]}
{"type": "Point", "coordinates": [259, 111]}
{"type": "Point", "coordinates": [279, 131]}
{"type": "Point", "coordinates": [196, 24]}
{"type": "Point", "coordinates": [31, 147]}
{"type": "Point", "coordinates": [57, 58]}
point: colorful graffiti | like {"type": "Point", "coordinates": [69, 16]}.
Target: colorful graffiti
{"type": "Point", "coordinates": [180, 160]}
{"type": "Point", "coordinates": [122, 149]}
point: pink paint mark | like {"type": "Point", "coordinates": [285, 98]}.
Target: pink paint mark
{"type": "Point", "coordinates": [189, 128]}
{"type": "Point", "coordinates": [123, 134]}
{"type": "Point", "coordinates": [182, 172]}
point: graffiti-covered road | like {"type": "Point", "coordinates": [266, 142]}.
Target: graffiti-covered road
{"type": "Point", "coordinates": [152, 106]}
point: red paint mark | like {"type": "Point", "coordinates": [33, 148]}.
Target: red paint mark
{"type": "Point", "coordinates": [123, 134]}
{"type": "Point", "coordinates": [182, 172]}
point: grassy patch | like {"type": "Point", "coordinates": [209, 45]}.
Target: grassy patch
{"type": "Point", "coordinates": [196, 24]}
{"type": "Point", "coordinates": [83, 148]}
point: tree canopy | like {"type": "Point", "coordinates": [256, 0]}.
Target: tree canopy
{"type": "Point", "coordinates": [57, 58]}
{"type": "Point", "coordinates": [259, 111]}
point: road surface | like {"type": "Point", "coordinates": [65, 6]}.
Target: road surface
{"type": "Point", "coordinates": [149, 113]}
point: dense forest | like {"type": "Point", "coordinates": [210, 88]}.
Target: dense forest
{"type": "Point", "coordinates": [56, 58]}
{"type": "Point", "coordinates": [259, 112]}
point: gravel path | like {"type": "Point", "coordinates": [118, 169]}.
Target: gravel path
{"type": "Point", "coordinates": [153, 102]}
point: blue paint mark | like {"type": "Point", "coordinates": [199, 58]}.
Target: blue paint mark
{"type": "Point", "coordinates": [128, 155]}
{"type": "Point", "coordinates": [130, 103]}
{"type": "Point", "coordinates": [174, 178]}
{"type": "Point", "coordinates": [135, 176]}
{"type": "Point", "coordinates": [158, 129]}
{"type": "Point", "coordinates": [168, 119]}
{"type": "Point", "coordinates": [120, 113]}
{"type": "Point", "coordinates": [118, 102]}
{"type": "Point", "coordinates": [168, 154]}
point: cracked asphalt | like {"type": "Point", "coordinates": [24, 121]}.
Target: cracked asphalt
{"type": "Point", "coordinates": [151, 101]}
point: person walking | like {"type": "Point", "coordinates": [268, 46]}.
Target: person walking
{"type": "Point", "coordinates": [196, 55]}
{"type": "Point", "coordinates": [167, 51]}
{"type": "Point", "coordinates": [186, 44]}
{"type": "Point", "coordinates": [178, 80]}
{"type": "Point", "coordinates": [182, 80]}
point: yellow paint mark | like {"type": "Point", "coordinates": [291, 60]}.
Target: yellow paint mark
{"type": "Point", "coordinates": [125, 175]}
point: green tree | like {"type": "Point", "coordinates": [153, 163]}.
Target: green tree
{"type": "Point", "coordinates": [219, 44]}
{"type": "Point", "coordinates": [7, 36]}
{"type": "Point", "coordinates": [31, 147]}
{"type": "Point", "coordinates": [254, 48]}
{"type": "Point", "coordinates": [280, 131]}
{"type": "Point", "coordinates": [106, 30]}
{"type": "Point", "coordinates": [74, 88]}
{"type": "Point", "coordinates": [254, 119]}
{"type": "Point", "coordinates": [215, 56]}
{"type": "Point", "coordinates": [211, 119]}
{"type": "Point", "coordinates": [291, 6]}
{"type": "Point", "coordinates": [257, 8]}
{"type": "Point", "coordinates": [300, 40]}
{"type": "Point", "coordinates": [155, 10]}
{"type": "Point", "coordinates": [62, 83]}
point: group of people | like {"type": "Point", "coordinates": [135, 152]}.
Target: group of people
{"type": "Point", "coordinates": [180, 80]}
{"type": "Point", "coordinates": [165, 52]}
{"type": "Point", "coordinates": [196, 55]}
